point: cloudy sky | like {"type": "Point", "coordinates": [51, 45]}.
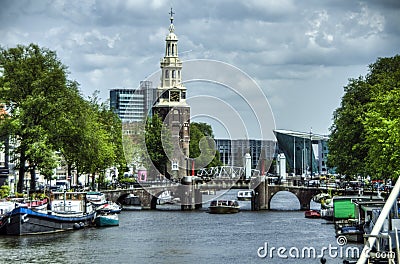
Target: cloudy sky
{"type": "Point", "coordinates": [300, 53]}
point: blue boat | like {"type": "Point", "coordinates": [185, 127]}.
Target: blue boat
{"type": "Point", "coordinates": [25, 221]}
{"type": "Point", "coordinates": [106, 220]}
{"type": "Point", "coordinates": [62, 215]}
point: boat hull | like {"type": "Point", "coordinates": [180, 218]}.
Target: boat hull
{"type": "Point", "coordinates": [352, 234]}
{"type": "Point", "coordinates": [106, 220]}
{"type": "Point", "coordinates": [24, 221]}
{"type": "Point", "coordinates": [357, 237]}
{"type": "Point", "coordinates": [223, 210]}
{"type": "Point", "coordinates": [312, 214]}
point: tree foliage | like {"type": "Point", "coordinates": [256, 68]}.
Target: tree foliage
{"type": "Point", "coordinates": [202, 146]}
{"type": "Point", "coordinates": [158, 145]}
{"type": "Point", "coordinates": [45, 114]}
{"type": "Point", "coordinates": [366, 127]}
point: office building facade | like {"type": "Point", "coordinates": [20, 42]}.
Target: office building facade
{"type": "Point", "coordinates": [133, 105]}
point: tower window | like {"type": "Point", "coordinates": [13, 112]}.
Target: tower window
{"type": "Point", "coordinates": [176, 115]}
{"type": "Point", "coordinates": [166, 74]}
{"type": "Point", "coordinates": [173, 73]}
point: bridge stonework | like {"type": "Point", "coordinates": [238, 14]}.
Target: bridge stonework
{"type": "Point", "coordinates": [118, 196]}
{"type": "Point", "coordinates": [263, 194]}
{"type": "Point", "coordinates": [191, 197]}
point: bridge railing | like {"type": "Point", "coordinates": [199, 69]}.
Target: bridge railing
{"type": "Point", "coordinates": [233, 172]}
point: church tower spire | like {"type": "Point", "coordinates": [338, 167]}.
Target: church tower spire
{"type": "Point", "coordinates": [171, 65]}
{"type": "Point", "coordinates": [171, 105]}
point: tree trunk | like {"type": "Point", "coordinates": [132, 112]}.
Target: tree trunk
{"type": "Point", "coordinates": [33, 178]}
{"type": "Point", "coordinates": [69, 174]}
{"type": "Point", "coordinates": [21, 172]}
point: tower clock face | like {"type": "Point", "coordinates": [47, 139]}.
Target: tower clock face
{"type": "Point", "coordinates": [174, 96]}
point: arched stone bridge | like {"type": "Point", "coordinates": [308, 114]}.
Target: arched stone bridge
{"type": "Point", "coordinates": [264, 194]}
{"type": "Point", "coordinates": [191, 194]}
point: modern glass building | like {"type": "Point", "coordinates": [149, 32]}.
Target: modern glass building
{"type": "Point", "coordinates": [133, 105]}
{"type": "Point", "coordinates": [304, 151]}
{"type": "Point", "coordinates": [232, 152]}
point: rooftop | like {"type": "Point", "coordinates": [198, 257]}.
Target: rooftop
{"type": "Point", "coordinates": [305, 135]}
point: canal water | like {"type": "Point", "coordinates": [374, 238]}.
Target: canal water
{"type": "Point", "coordinates": [172, 236]}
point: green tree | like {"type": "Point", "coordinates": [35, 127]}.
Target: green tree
{"type": "Point", "coordinates": [365, 132]}
{"type": "Point", "coordinates": [347, 148]}
{"type": "Point", "coordinates": [382, 121]}
{"type": "Point", "coordinates": [32, 78]}
{"type": "Point", "coordinates": [134, 144]}
{"type": "Point", "coordinates": [103, 142]}
{"type": "Point", "coordinates": [46, 114]}
{"type": "Point", "coordinates": [158, 145]}
{"type": "Point", "coordinates": [202, 146]}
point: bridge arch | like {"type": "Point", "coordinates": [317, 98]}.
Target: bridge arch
{"type": "Point", "coordinates": [288, 196]}
{"type": "Point", "coordinates": [122, 197]}
{"type": "Point", "coordinates": [304, 195]}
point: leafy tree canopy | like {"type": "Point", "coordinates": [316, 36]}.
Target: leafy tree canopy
{"type": "Point", "coordinates": [44, 113]}
{"type": "Point", "coordinates": [366, 127]}
{"type": "Point", "coordinates": [202, 146]}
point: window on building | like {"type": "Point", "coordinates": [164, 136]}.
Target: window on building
{"type": "Point", "coordinates": [176, 115]}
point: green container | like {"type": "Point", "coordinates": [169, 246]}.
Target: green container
{"type": "Point", "coordinates": [343, 208]}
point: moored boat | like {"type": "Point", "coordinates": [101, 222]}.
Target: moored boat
{"type": "Point", "coordinates": [5, 207]}
{"type": "Point", "coordinates": [96, 198]}
{"type": "Point", "coordinates": [66, 214]}
{"type": "Point", "coordinates": [352, 233]}
{"type": "Point", "coordinates": [109, 207]}
{"type": "Point", "coordinates": [327, 214]}
{"type": "Point", "coordinates": [131, 203]}
{"type": "Point", "coordinates": [165, 198]}
{"type": "Point", "coordinates": [224, 207]}
{"type": "Point", "coordinates": [103, 220]}
{"type": "Point", "coordinates": [312, 214]}
{"type": "Point", "coordinates": [244, 195]}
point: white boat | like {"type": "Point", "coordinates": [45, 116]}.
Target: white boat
{"type": "Point", "coordinates": [165, 198]}
{"type": "Point", "coordinates": [109, 207]}
{"type": "Point", "coordinates": [327, 214]}
{"type": "Point", "coordinates": [96, 198]}
{"type": "Point", "coordinates": [5, 207]}
{"type": "Point", "coordinates": [244, 195]}
{"type": "Point", "coordinates": [131, 203]}
{"type": "Point", "coordinates": [224, 207]}
{"type": "Point", "coordinates": [103, 220]}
